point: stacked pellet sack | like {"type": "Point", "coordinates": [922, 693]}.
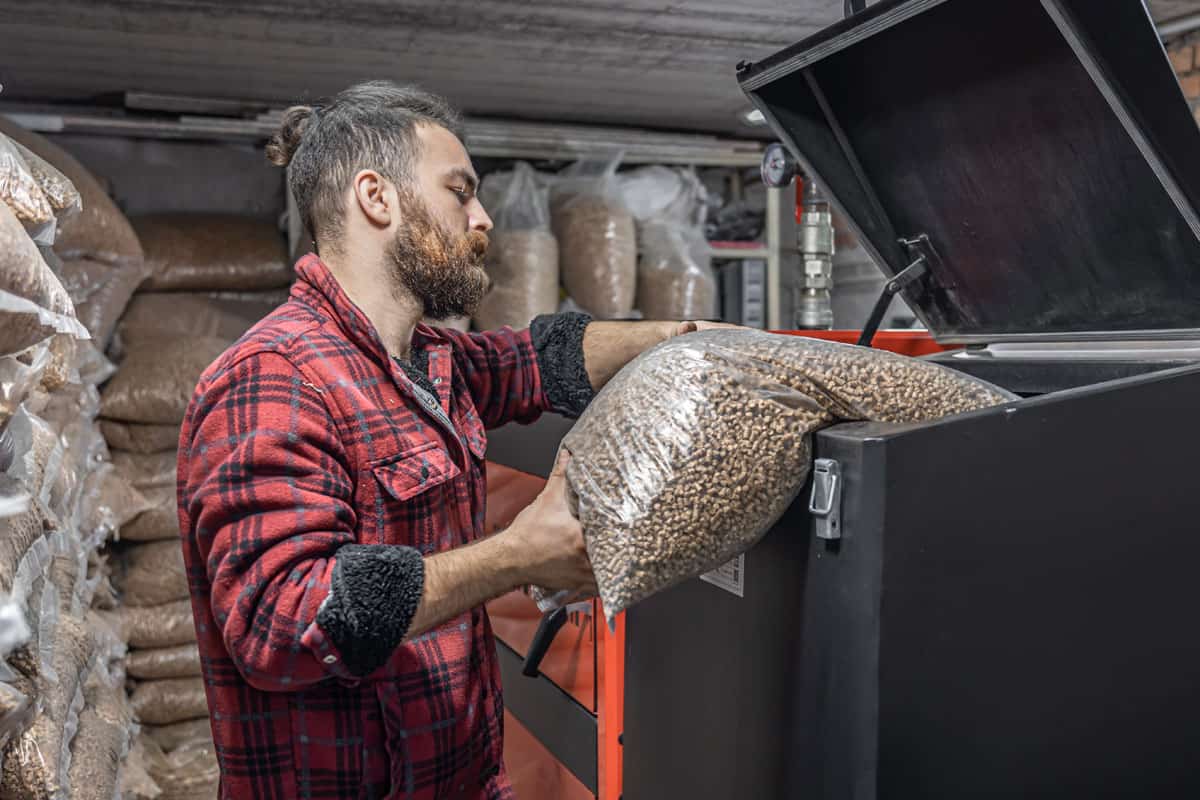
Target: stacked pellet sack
{"type": "Point", "coordinates": [211, 277]}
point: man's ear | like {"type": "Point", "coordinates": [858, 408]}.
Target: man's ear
{"type": "Point", "coordinates": [373, 198]}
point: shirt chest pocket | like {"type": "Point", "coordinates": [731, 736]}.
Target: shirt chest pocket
{"type": "Point", "coordinates": [411, 499]}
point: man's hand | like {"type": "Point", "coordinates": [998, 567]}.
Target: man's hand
{"type": "Point", "coordinates": [694, 326]}
{"type": "Point", "coordinates": [549, 540]}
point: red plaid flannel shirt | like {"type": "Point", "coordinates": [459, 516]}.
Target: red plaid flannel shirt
{"type": "Point", "coordinates": [305, 437]}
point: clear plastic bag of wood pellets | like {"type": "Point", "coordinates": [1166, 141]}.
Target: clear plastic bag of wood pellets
{"type": "Point", "coordinates": [17, 378]}
{"type": "Point", "coordinates": [62, 195]}
{"type": "Point", "coordinates": [99, 291]}
{"type": "Point", "coordinates": [675, 276]}
{"type": "Point", "coordinates": [99, 230]}
{"type": "Point", "coordinates": [153, 574]}
{"type": "Point", "coordinates": [597, 239]}
{"type": "Point", "coordinates": [33, 303]}
{"type": "Point", "coordinates": [696, 448]}
{"type": "Point", "coordinates": [36, 764]}
{"type": "Point", "coordinates": [157, 379]}
{"type": "Point", "coordinates": [160, 702]}
{"type": "Point", "coordinates": [522, 259]}
{"type": "Point", "coordinates": [19, 189]}
{"type": "Point", "coordinates": [101, 740]}
{"type": "Point", "coordinates": [16, 710]}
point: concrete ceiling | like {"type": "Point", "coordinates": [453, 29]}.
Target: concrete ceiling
{"type": "Point", "coordinates": [653, 63]}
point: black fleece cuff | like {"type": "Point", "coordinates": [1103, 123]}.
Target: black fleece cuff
{"type": "Point", "coordinates": [375, 591]}
{"type": "Point", "coordinates": [558, 341]}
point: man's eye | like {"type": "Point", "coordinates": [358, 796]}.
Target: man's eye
{"type": "Point", "coordinates": [463, 195]}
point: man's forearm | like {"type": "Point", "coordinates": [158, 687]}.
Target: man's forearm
{"type": "Point", "coordinates": [609, 346]}
{"type": "Point", "coordinates": [463, 578]}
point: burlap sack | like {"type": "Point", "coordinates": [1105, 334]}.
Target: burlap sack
{"type": "Point", "coordinates": [213, 251]}
{"type": "Point", "coordinates": [145, 627]}
{"type": "Point", "coordinates": [180, 661]}
{"type": "Point", "coordinates": [190, 772]}
{"type": "Point", "coordinates": [169, 700]}
{"type": "Point", "coordinates": [160, 521]}
{"type": "Point", "coordinates": [157, 378]}
{"type": "Point", "coordinates": [227, 316]}
{"type": "Point", "coordinates": [99, 230]}
{"type": "Point", "coordinates": [146, 471]}
{"type": "Point", "coordinates": [137, 438]}
{"type": "Point", "coordinates": [154, 574]}
{"type": "Point", "coordinates": [177, 734]}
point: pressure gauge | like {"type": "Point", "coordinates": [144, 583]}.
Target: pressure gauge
{"type": "Point", "coordinates": [779, 168]}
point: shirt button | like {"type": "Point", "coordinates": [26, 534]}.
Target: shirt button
{"type": "Point", "coordinates": [330, 659]}
{"type": "Point", "coordinates": [437, 381]}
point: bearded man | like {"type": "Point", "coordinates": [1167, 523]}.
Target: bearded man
{"type": "Point", "coordinates": [331, 475]}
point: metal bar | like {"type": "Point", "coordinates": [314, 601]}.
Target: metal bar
{"type": "Point", "coordinates": [775, 257]}
{"type": "Point", "coordinates": [565, 728]}
{"type": "Point", "coordinates": [485, 137]}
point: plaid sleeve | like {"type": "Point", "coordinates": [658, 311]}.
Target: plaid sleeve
{"type": "Point", "coordinates": [502, 374]}
{"type": "Point", "coordinates": [270, 503]}
{"type": "Point", "coordinates": [516, 375]}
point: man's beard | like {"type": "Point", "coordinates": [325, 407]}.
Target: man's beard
{"type": "Point", "coordinates": [443, 271]}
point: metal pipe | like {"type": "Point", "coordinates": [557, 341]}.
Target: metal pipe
{"type": "Point", "coordinates": [1179, 25]}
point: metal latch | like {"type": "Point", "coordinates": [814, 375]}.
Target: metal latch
{"type": "Point", "coordinates": [825, 504]}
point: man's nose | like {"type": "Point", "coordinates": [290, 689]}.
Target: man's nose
{"type": "Point", "coordinates": [479, 219]}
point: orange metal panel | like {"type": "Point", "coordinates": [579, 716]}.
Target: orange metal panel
{"type": "Point", "coordinates": [571, 660]}
{"type": "Point", "coordinates": [906, 343]}
{"type": "Point", "coordinates": [534, 772]}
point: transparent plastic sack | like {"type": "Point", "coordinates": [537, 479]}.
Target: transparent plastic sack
{"type": "Point", "coordinates": [675, 275]}
{"type": "Point", "coordinates": [17, 378]}
{"type": "Point", "coordinates": [60, 369]}
{"type": "Point", "coordinates": [697, 447]}
{"type": "Point", "coordinates": [153, 574]}
{"type": "Point", "coordinates": [16, 710]}
{"type": "Point", "coordinates": [180, 661]}
{"type": "Point", "coordinates": [99, 230]}
{"type": "Point", "coordinates": [100, 291]}
{"type": "Point", "coordinates": [19, 190]}
{"type": "Point", "coordinates": [522, 259]}
{"type": "Point", "coordinates": [38, 465]}
{"type": "Point", "coordinates": [161, 702]}
{"type": "Point", "coordinates": [134, 437]}
{"type": "Point", "coordinates": [100, 743]}
{"type": "Point", "coordinates": [157, 378]}
{"type": "Point", "coordinates": [33, 303]}
{"type": "Point", "coordinates": [37, 762]}
{"type": "Point", "coordinates": [212, 251]}
{"type": "Point", "coordinates": [62, 195]}
{"type": "Point", "coordinates": [597, 240]}
{"type": "Point", "coordinates": [145, 627]}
